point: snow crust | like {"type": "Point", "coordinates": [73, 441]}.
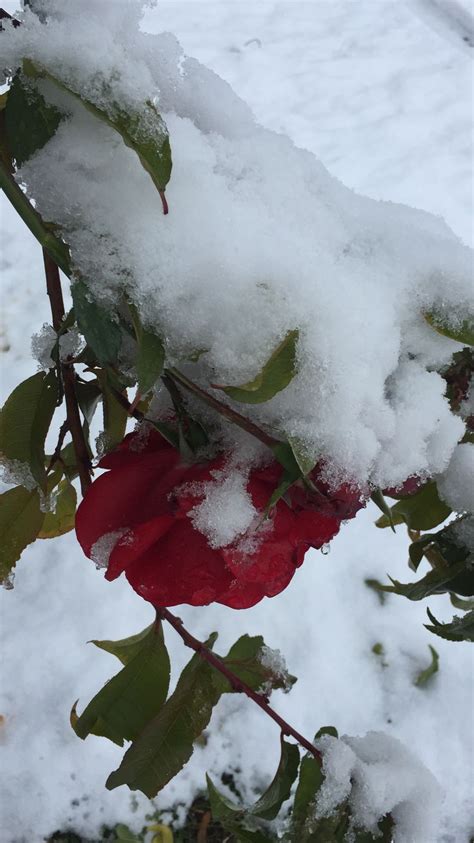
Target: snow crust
{"type": "Point", "coordinates": [260, 239]}
{"type": "Point", "coordinates": [379, 775]}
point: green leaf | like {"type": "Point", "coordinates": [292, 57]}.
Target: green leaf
{"type": "Point", "coordinates": [150, 356]}
{"type": "Point", "coordinates": [243, 659]}
{"type": "Point", "coordinates": [62, 519]}
{"type": "Point", "coordinates": [101, 331]}
{"type": "Point", "coordinates": [379, 500]}
{"type": "Point", "coordinates": [20, 522]}
{"type": "Point", "coordinates": [277, 373]}
{"type": "Point", "coordinates": [130, 700]}
{"type": "Point", "coordinates": [279, 791]}
{"type": "Point", "coordinates": [463, 332]}
{"type": "Point", "coordinates": [115, 415]}
{"type": "Point", "coordinates": [88, 395]}
{"type": "Point", "coordinates": [429, 671]}
{"type": "Point", "coordinates": [435, 581]}
{"type": "Point", "coordinates": [29, 121]}
{"type": "Point", "coordinates": [305, 462]}
{"type": "Point", "coordinates": [421, 511]}
{"type": "Point", "coordinates": [124, 835]}
{"type": "Point", "coordinates": [459, 629]}
{"type": "Point", "coordinates": [232, 817]}
{"type": "Point", "coordinates": [458, 603]}
{"type": "Point", "coordinates": [25, 420]}
{"type": "Point", "coordinates": [169, 433]}
{"type": "Point", "coordinates": [166, 743]}
{"type": "Point", "coordinates": [126, 648]}
{"type": "Point", "coordinates": [310, 780]}
{"type": "Point", "coordinates": [145, 131]}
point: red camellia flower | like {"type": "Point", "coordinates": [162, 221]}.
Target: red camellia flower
{"type": "Point", "coordinates": [137, 519]}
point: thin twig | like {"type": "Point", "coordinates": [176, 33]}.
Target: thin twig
{"type": "Point", "coordinates": [223, 409]}
{"type": "Point", "coordinates": [234, 680]}
{"type": "Point", "coordinates": [56, 456]}
{"type": "Point", "coordinates": [53, 287]}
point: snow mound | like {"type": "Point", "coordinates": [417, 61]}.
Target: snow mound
{"type": "Point", "coordinates": [379, 776]}
{"type": "Point", "coordinates": [260, 240]}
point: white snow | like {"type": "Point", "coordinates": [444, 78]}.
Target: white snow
{"type": "Point", "coordinates": [275, 661]}
{"type": "Point", "coordinates": [456, 485]}
{"type": "Point", "coordinates": [42, 344]}
{"type": "Point", "coordinates": [226, 511]}
{"type": "Point", "coordinates": [378, 776]}
{"type": "Point", "coordinates": [258, 228]}
{"type": "Point", "coordinates": [103, 547]}
{"type": "Point", "coordinates": [384, 100]}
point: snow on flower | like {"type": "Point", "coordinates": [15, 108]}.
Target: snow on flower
{"type": "Point", "coordinates": [157, 518]}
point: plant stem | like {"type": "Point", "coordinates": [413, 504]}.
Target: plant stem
{"type": "Point", "coordinates": [228, 413]}
{"type": "Point", "coordinates": [53, 287]}
{"type": "Point", "coordinates": [234, 681]}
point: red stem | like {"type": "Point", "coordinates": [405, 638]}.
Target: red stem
{"type": "Point", "coordinates": [234, 681]}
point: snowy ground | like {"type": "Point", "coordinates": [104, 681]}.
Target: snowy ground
{"type": "Point", "coordinates": [380, 90]}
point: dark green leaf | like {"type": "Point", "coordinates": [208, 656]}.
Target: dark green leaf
{"type": "Point", "coordinates": [244, 659]}
{"type": "Point", "coordinates": [29, 122]}
{"type": "Point", "coordinates": [125, 649]}
{"type": "Point", "coordinates": [326, 730]}
{"type": "Point", "coordinates": [101, 331]}
{"type": "Point", "coordinates": [285, 455]}
{"type": "Point", "coordinates": [429, 671]}
{"type": "Point", "coordinates": [88, 396]}
{"type": "Point", "coordinates": [115, 415]}
{"type": "Point", "coordinates": [232, 817]}
{"type": "Point", "coordinates": [62, 519]}
{"type": "Point", "coordinates": [417, 548]}
{"type": "Point", "coordinates": [166, 743]}
{"type": "Point", "coordinates": [459, 629]}
{"type": "Point", "coordinates": [421, 511]}
{"type": "Point", "coordinates": [25, 420]}
{"type": "Point", "coordinates": [435, 581]}
{"type": "Point", "coordinates": [462, 332]}
{"type": "Point", "coordinates": [379, 500]}
{"type": "Point", "coordinates": [42, 230]}
{"type": "Point", "coordinates": [145, 132]}
{"type": "Point", "coordinates": [130, 700]}
{"type": "Point", "coordinates": [459, 603]}
{"type": "Point", "coordinates": [277, 373]}
{"type": "Point", "coordinates": [310, 780]}
{"type": "Point", "coordinates": [150, 356]}
{"type": "Point", "coordinates": [285, 483]}
{"type": "Point", "coordinates": [169, 433]}
{"type": "Point", "coordinates": [20, 522]}
{"type": "Point", "coordinates": [279, 791]}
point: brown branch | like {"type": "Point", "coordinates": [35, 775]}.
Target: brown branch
{"type": "Point", "coordinates": [223, 409]}
{"type": "Point", "coordinates": [234, 681]}
{"type": "Point", "coordinates": [53, 287]}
